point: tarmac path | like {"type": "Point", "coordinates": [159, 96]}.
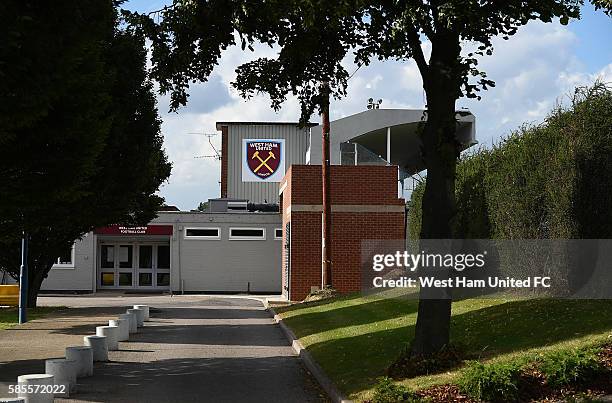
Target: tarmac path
{"type": "Point", "coordinates": [194, 349]}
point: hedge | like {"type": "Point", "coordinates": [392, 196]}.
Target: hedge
{"type": "Point", "coordinates": [552, 180]}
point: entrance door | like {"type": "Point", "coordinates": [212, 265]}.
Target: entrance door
{"type": "Point", "coordinates": [134, 265]}
{"type": "Point", "coordinates": [153, 266]}
{"type": "Point", "coordinates": [116, 265]}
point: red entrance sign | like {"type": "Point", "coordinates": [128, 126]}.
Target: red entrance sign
{"type": "Point", "coordinates": [145, 230]}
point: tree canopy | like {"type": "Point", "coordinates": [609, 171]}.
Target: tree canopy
{"type": "Point", "coordinates": [79, 131]}
{"type": "Point", "coordinates": [315, 36]}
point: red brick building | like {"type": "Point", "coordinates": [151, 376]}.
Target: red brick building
{"type": "Point", "coordinates": [365, 206]}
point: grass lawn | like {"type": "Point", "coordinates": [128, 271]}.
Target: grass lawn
{"type": "Point", "coordinates": [355, 338]}
{"type": "Point", "coordinates": [10, 316]}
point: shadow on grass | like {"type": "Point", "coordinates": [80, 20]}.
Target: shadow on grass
{"type": "Point", "coordinates": [355, 362]}
{"type": "Point", "coordinates": [375, 310]}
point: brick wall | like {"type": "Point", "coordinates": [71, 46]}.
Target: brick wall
{"type": "Point", "coordinates": [365, 206]}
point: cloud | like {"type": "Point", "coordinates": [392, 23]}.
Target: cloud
{"type": "Point", "coordinates": [532, 70]}
{"type": "Point", "coordinates": [203, 97]}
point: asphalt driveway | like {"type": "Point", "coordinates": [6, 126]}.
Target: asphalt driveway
{"type": "Point", "coordinates": [194, 349]}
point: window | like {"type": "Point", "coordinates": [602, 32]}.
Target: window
{"type": "Point", "coordinates": [145, 279]}
{"type": "Point", "coordinates": [145, 256]}
{"type": "Point", "coordinates": [163, 279]}
{"type": "Point", "coordinates": [202, 233]}
{"type": "Point", "coordinates": [125, 257]}
{"type": "Point", "coordinates": [107, 279]}
{"type": "Point", "coordinates": [66, 259]}
{"type": "Point", "coordinates": [237, 206]}
{"type": "Point", "coordinates": [163, 257]}
{"type": "Point", "coordinates": [125, 279]}
{"type": "Point", "coordinates": [249, 234]}
{"type": "Point", "coordinates": [278, 233]}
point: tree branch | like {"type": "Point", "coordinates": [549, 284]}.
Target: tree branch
{"type": "Point", "coordinates": [161, 10]}
{"type": "Point", "coordinates": [417, 52]}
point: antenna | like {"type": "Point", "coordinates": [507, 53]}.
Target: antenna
{"type": "Point", "coordinates": [217, 155]}
{"type": "Point", "coordinates": [374, 105]}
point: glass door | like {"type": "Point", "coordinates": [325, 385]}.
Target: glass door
{"type": "Point", "coordinates": [116, 266]}
{"type": "Point", "coordinates": [153, 266]}
{"type": "Point", "coordinates": [162, 269]}
{"type": "Point", "coordinates": [145, 266]}
{"type": "Point", "coordinates": [107, 266]}
{"type": "Point", "coordinates": [125, 266]}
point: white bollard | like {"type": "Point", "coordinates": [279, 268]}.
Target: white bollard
{"type": "Point", "coordinates": [28, 385]}
{"type": "Point", "coordinates": [133, 321]}
{"type": "Point", "coordinates": [139, 316]}
{"type": "Point", "coordinates": [98, 347]}
{"type": "Point", "coordinates": [111, 333]}
{"type": "Point", "coordinates": [12, 400]}
{"type": "Point", "coordinates": [124, 328]}
{"type": "Point", "coordinates": [145, 308]}
{"type": "Point", "coordinates": [83, 355]}
{"type": "Point", "coordinates": [64, 375]}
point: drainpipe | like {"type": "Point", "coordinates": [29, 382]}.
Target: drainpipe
{"type": "Point", "coordinates": [325, 168]}
{"type": "Point", "coordinates": [179, 230]}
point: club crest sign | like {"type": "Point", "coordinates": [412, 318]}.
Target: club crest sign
{"type": "Point", "coordinates": [263, 160]}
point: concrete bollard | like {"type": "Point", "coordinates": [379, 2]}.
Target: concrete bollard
{"type": "Point", "coordinates": [29, 383]}
{"type": "Point", "coordinates": [64, 375]}
{"type": "Point", "coordinates": [145, 308]}
{"type": "Point", "coordinates": [139, 316]}
{"type": "Point", "coordinates": [98, 347]}
{"type": "Point", "coordinates": [124, 328]}
{"type": "Point", "coordinates": [111, 333]}
{"type": "Point", "coordinates": [133, 321]}
{"type": "Point", "coordinates": [83, 355]}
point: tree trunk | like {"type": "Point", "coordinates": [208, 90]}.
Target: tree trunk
{"type": "Point", "coordinates": [440, 150]}
{"type": "Point", "coordinates": [36, 275]}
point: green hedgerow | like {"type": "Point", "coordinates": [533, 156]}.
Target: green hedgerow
{"type": "Point", "coordinates": [496, 382]}
{"type": "Point", "coordinates": [569, 367]}
{"type": "Point", "coordinates": [388, 392]}
{"type": "Point", "coordinates": [546, 181]}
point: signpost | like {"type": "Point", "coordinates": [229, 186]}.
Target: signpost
{"type": "Point", "coordinates": [23, 280]}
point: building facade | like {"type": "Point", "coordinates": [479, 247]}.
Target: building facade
{"type": "Point", "coordinates": [264, 234]}
{"type": "Point", "coordinates": [239, 182]}
{"type": "Point", "coordinates": [364, 207]}
{"type": "Point", "coordinates": [178, 252]}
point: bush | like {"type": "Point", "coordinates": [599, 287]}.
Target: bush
{"type": "Point", "coordinates": [551, 180]}
{"type": "Point", "coordinates": [409, 366]}
{"type": "Point", "coordinates": [569, 367]}
{"type": "Point", "coordinates": [497, 382]}
{"type": "Point", "coordinates": [388, 392]}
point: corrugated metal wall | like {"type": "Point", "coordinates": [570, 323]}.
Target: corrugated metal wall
{"type": "Point", "coordinates": [295, 153]}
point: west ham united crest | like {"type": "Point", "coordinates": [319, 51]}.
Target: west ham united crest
{"type": "Point", "coordinates": [263, 160]}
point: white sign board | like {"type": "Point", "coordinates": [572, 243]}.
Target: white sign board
{"type": "Point", "coordinates": [263, 160]}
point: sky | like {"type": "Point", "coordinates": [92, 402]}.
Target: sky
{"type": "Point", "coordinates": [533, 70]}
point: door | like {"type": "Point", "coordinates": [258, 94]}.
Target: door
{"type": "Point", "coordinates": [134, 265]}
{"type": "Point", "coordinates": [116, 265]}
{"type": "Point", "coordinates": [162, 266]}
{"type": "Point", "coordinates": [153, 266]}
{"type": "Point", "coordinates": [145, 267]}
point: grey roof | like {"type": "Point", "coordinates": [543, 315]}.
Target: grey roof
{"type": "Point", "coordinates": [220, 124]}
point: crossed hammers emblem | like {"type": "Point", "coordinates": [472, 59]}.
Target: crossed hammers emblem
{"type": "Point", "coordinates": [263, 163]}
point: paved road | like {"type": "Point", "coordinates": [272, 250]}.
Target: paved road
{"type": "Point", "coordinates": [194, 349]}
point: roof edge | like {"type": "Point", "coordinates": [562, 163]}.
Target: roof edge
{"type": "Point", "coordinates": [220, 124]}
